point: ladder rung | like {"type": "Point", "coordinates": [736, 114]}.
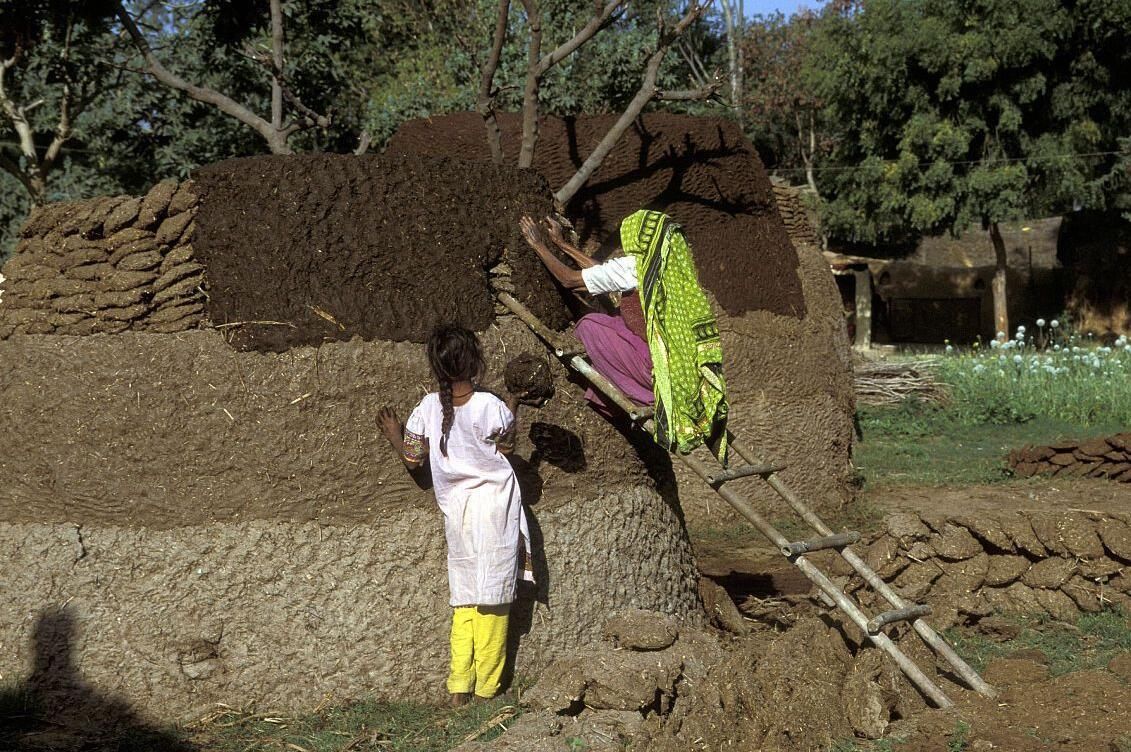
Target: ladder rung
{"type": "Point", "coordinates": [907, 613]}
{"type": "Point", "coordinates": [840, 540]}
{"type": "Point", "coordinates": [742, 472]}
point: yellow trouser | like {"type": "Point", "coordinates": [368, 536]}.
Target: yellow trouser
{"type": "Point", "coordinates": [479, 649]}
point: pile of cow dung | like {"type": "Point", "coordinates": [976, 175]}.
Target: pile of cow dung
{"type": "Point", "coordinates": [1093, 458]}
{"type": "Point", "coordinates": [106, 265]}
{"type": "Point", "coordinates": [304, 249]}
{"type": "Point", "coordinates": [969, 567]}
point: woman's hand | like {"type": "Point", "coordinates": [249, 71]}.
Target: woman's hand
{"type": "Point", "coordinates": [533, 233]}
{"type": "Point", "coordinates": [390, 426]}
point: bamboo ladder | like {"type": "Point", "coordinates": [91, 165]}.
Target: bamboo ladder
{"type": "Point", "coordinates": [572, 353]}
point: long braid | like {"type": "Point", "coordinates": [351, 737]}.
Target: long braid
{"type": "Point", "coordinates": [454, 355]}
{"type": "Point", "coordinates": [449, 414]}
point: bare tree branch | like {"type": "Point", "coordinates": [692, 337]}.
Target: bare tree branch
{"type": "Point", "coordinates": [311, 117]}
{"type": "Point", "coordinates": [276, 139]}
{"type": "Point", "coordinates": [363, 143]}
{"type": "Point", "coordinates": [12, 167]}
{"type": "Point", "coordinates": [600, 20]}
{"type": "Point", "coordinates": [29, 174]}
{"type": "Point", "coordinates": [646, 93]}
{"type": "Point", "coordinates": [538, 65]}
{"type": "Point", "coordinates": [486, 101]}
{"type": "Point", "coordinates": [698, 71]}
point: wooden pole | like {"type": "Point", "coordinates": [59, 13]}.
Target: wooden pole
{"type": "Point", "coordinates": [863, 337]}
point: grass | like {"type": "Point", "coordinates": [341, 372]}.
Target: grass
{"type": "Point", "coordinates": [918, 444]}
{"type": "Point", "coordinates": [859, 515]}
{"type": "Point", "coordinates": [1090, 643]}
{"type": "Point", "coordinates": [359, 726]}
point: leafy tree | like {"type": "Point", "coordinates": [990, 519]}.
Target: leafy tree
{"type": "Point", "coordinates": [51, 72]}
{"type": "Point", "coordinates": [954, 113]}
{"type": "Point", "coordinates": [785, 116]}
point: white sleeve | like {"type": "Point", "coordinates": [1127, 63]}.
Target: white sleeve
{"type": "Point", "coordinates": [615, 275]}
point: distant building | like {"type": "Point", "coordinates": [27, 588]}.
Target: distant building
{"type": "Point", "coordinates": [939, 289]}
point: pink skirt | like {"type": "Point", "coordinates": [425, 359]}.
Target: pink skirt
{"type": "Point", "coordinates": [618, 355]}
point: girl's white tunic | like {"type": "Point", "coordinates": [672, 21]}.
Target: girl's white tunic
{"type": "Point", "coordinates": [477, 491]}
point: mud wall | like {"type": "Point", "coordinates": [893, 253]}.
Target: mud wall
{"type": "Point", "coordinates": [793, 216]}
{"type": "Point", "coordinates": [786, 349]}
{"type": "Point", "coordinates": [1094, 458]}
{"type": "Point", "coordinates": [106, 265]}
{"type": "Point", "coordinates": [1096, 249]}
{"type": "Point", "coordinates": [969, 567]}
{"type": "Point", "coordinates": [227, 526]}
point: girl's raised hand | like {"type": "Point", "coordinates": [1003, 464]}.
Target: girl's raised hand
{"type": "Point", "coordinates": [390, 425]}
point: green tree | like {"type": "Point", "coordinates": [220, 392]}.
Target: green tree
{"type": "Point", "coordinates": [954, 113]}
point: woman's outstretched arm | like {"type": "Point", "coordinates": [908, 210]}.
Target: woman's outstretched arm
{"type": "Point", "coordinates": [569, 278]}
{"type": "Point", "coordinates": [554, 229]}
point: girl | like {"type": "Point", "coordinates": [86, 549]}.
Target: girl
{"type": "Point", "coordinates": [465, 433]}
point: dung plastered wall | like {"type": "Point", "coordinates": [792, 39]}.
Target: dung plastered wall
{"type": "Point", "coordinates": [228, 527]}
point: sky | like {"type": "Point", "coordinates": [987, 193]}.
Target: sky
{"type": "Point", "coordinates": [786, 7]}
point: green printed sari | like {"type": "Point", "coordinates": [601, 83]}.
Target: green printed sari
{"type": "Point", "coordinates": [683, 336]}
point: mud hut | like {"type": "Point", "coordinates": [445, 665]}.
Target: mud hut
{"type": "Point", "coordinates": [196, 476]}
{"type": "Point", "coordinates": [193, 468]}
{"type": "Point", "coordinates": [786, 354]}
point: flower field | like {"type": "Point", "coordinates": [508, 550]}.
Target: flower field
{"type": "Point", "coordinates": [1049, 373]}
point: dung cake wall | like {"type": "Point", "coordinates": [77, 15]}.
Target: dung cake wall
{"type": "Point", "coordinates": [230, 527]}
{"type": "Point", "coordinates": [968, 567]}
{"type": "Point", "coordinates": [106, 265]}
{"type": "Point", "coordinates": [785, 346]}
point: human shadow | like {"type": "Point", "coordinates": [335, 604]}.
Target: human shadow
{"type": "Point", "coordinates": [55, 708]}
{"type": "Point", "coordinates": [529, 594]}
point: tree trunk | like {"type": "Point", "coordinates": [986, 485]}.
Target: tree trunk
{"type": "Point", "coordinates": [732, 52]}
{"type": "Point", "coordinates": [1001, 264]}
{"type": "Point", "coordinates": [277, 64]}
{"type": "Point", "coordinates": [533, 81]}
{"type": "Point", "coordinates": [485, 103]}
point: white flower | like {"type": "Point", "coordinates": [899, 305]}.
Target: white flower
{"type": "Point", "coordinates": [950, 348]}
{"type": "Point", "coordinates": [1017, 359]}
{"type": "Point", "coordinates": [1056, 348]}
{"type": "Point", "coordinates": [1020, 330]}
{"type": "Point", "coordinates": [978, 368]}
{"type": "Point", "coordinates": [1054, 323]}
{"type": "Point", "coordinates": [1001, 335]}
{"type": "Point", "coordinates": [1040, 322]}
{"type": "Point", "coordinates": [994, 344]}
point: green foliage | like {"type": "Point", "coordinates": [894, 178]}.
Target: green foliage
{"type": "Point", "coordinates": [918, 444]}
{"type": "Point", "coordinates": [952, 114]}
{"type": "Point", "coordinates": [958, 738]}
{"type": "Point", "coordinates": [438, 71]}
{"type": "Point", "coordinates": [1063, 377]}
{"type": "Point", "coordinates": [1088, 644]}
